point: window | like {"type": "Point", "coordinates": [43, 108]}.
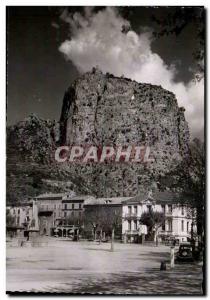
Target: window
{"type": "Point", "coordinates": [73, 206]}
{"type": "Point", "coordinates": [107, 201]}
{"type": "Point", "coordinates": [182, 210]}
{"type": "Point", "coordinates": [54, 206]}
{"type": "Point", "coordinates": [163, 208]}
{"type": "Point", "coordinates": [170, 209]}
{"type": "Point", "coordinates": [80, 206]}
{"type": "Point", "coordinates": [135, 209]}
{"type": "Point", "coordinates": [164, 226]}
{"type": "Point", "coordinates": [149, 207]}
{"type": "Point", "coordinates": [135, 225]}
{"type": "Point", "coordinates": [182, 225]}
{"type": "Point", "coordinates": [72, 213]}
{"type": "Point", "coordinates": [65, 206]}
{"type": "Point", "coordinates": [18, 211]}
{"type": "Point", "coordinates": [170, 225]}
{"type": "Point", "coordinates": [129, 210]}
{"type": "Point", "coordinates": [129, 225]}
{"type": "Point", "coordinates": [187, 226]}
{"type": "Point", "coordinates": [64, 214]}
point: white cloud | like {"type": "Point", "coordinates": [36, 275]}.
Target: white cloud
{"type": "Point", "coordinates": [97, 39]}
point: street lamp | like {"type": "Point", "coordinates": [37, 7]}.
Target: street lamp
{"type": "Point", "coordinates": [94, 230]}
{"type": "Point", "coordinates": [192, 238]}
{"type": "Point", "coordinates": [192, 232]}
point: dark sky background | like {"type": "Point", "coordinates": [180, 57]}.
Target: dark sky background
{"type": "Point", "coordinates": [38, 74]}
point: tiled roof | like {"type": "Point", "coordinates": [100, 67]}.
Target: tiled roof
{"type": "Point", "coordinates": [136, 199]}
{"type": "Point", "coordinates": [159, 197]}
{"type": "Point", "coordinates": [107, 201]}
{"type": "Point", "coordinates": [79, 198]}
{"type": "Point", "coordinates": [51, 196]}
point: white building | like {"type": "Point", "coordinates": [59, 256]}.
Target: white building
{"type": "Point", "coordinates": [22, 218]}
{"type": "Point", "coordinates": [21, 214]}
{"type": "Point", "coordinates": [177, 223]}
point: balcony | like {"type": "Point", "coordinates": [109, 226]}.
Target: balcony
{"type": "Point", "coordinates": [44, 211]}
{"type": "Point", "coordinates": [166, 232]}
{"type": "Point", "coordinates": [169, 213]}
{"type": "Point", "coordinates": [131, 216]}
{"type": "Point", "coordinates": [132, 232]}
{"type": "Point", "coordinates": [41, 209]}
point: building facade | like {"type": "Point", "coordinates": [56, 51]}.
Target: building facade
{"type": "Point", "coordinates": [22, 219]}
{"type": "Point", "coordinates": [73, 208]}
{"type": "Point", "coordinates": [21, 214]}
{"type": "Point", "coordinates": [68, 215]}
{"type": "Point", "coordinates": [49, 212]}
{"type": "Point", "coordinates": [178, 218]}
{"type": "Point", "coordinates": [60, 214]}
{"type": "Point", "coordinates": [102, 215]}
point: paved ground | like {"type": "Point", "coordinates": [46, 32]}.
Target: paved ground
{"type": "Point", "coordinates": [86, 267]}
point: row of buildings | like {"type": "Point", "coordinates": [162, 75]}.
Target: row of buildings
{"type": "Point", "coordinates": [66, 215]}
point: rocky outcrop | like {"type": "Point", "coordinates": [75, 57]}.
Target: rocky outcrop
{"type": "Point", "coordinates": [31, 167]}
{"type": "Point", "coordinates": [103, 110]}
{"type": "Point", "coordinates": [100, 109]}
{"type": "Point", "coordinates": [32, 139]}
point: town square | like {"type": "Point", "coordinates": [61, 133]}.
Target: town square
{"type": "Point", "coordinates": [89, 267]}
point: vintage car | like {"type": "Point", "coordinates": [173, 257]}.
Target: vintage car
{"type": "Point", "coordinates": [171, 241]}
{"type": "Point", "coordinates": [185, 253]}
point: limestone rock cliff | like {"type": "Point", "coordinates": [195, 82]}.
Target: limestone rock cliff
{"type": "Point", "coordinates": [101, 109]}
{"type": "Point", "coordinates": [98, 109]}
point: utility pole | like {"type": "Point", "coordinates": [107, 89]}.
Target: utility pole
{"type": "Point", "coordinates": [113, 228]}
{"type": "Point", "coordinates": [172, 258]}
{"type": "Point", "coordinates": [112, 241]}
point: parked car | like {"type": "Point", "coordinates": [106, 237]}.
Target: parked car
{"type": "Point", "coordinates": [172, 241]}
{"type": "Point", "coordinates": [185, 253]}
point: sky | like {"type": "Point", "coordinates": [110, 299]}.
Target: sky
{"type": "Point", "coordinates": [49, 47]}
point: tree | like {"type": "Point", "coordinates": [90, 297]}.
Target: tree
{"type": "Point", "coordinates": [195, 183]}
{"type": "Point", "coordinates": [104, 219]}
{"type": "Point", "coordinates": [93, 217]}
{"type": "Point", "coordinates": [111, 219]}
{"type": "Point", "coordinates": [10, 220]}
{"type": "Point", "coordinates": [188, 180]}
{"type": "Point", "coordinates": [76, 220]}
{"type": "Point", "coordinates": [153, 220]}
